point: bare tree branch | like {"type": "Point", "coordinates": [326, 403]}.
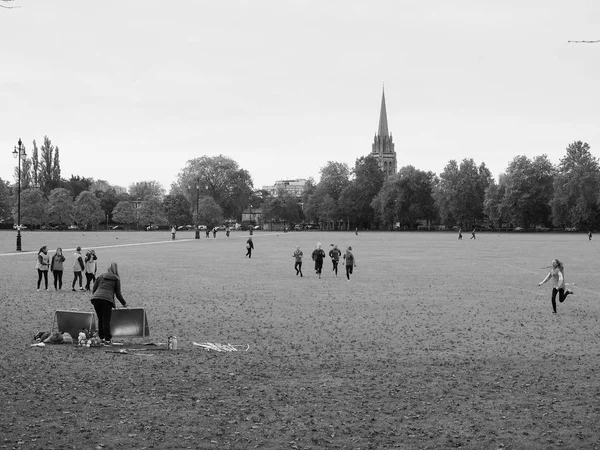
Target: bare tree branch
{"type": "Point", "coordinates": [584, 42]}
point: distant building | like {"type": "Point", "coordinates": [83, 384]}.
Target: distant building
{"type": "Point", "coordinates": [383, 147]}
{"type": "Point", "coordinates": [294, 187]}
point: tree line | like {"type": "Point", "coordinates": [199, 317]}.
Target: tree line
{"type": "Point", "coordinates": [210, 190]}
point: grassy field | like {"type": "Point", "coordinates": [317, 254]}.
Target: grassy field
{"type": "Point", "coordinates": [433, 343]}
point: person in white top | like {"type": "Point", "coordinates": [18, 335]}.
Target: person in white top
{"type": "Point", "coordinates": [42, 266]}
{"type": "Point", "coordinates": [558, 283]}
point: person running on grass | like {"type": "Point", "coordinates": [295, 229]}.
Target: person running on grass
{"type": "Point", "coordinates": [473, 234]}
{"type": "Point", "coordinates": [460, 234]}
{"type": "Point", "coordinates": [335, 255]}
{"type": "Point", "coordinates": [558, 283]}
{"type": "Point", "coordinates": [298, 260]}
{"type": "Point", "coordinates": [590, 235]}
{"type": "Point", "coordinates": [350, 262]}
{"type": "Point", "coordinates": [317, 256]}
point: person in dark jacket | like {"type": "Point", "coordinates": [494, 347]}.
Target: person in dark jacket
{"type": "Point", "coordinates": [249, 247]}
{"type": "Point", "coordinates": [106, 287]}
{"type": "Point", "coordinates": [335, 255]}
{"type": "Point", "coordinates": [317, 256]}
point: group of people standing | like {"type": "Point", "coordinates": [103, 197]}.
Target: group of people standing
{"type": "Point", "coordinates": [318, 256]}
{"type": "Point", "coordinates": [56, 265]}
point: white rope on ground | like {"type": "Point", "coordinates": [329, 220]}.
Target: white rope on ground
{"type": "Point", "coordinates": [220, 347]}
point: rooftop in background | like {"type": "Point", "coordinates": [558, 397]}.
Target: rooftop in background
{"type": "Point", "coordinates": [294, 187]}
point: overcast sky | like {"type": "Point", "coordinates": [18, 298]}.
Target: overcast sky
{"type": "Point", "coordinates": [132, 90]}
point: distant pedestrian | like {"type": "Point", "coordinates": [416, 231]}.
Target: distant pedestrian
{"type": "Point", "coordinates": [318, 255]}
{"type": "Point", "coordinates": [215, 229]}
{"type": "Point", "coordinates": [78, 267]}
{"type": "Point", "coordinates": [298, 260]}
{"type": "Point", "coordinates": [558, 283]}
{"type": "Point", "coordinates": [473, 234]}
{"type": "Point", "coordinates": [173, 233]}
{"type": "Point", "coordinates": [227, 232]}
{"type": "Point", "coordinates": [42, 266]}
{"type": "Point", "coordinates": [350, 262]}
{"type": "Point", "coordinates": [249, 247]}
{"type": "Point", "coordinates": [106, 287]}
{"type": "Point", "coordinates": [57, 267]}
{"type": "Point", "coordinates": [90, 268]}
{"type": "Point", "coordinates": [460, 234]}
{"type": "Point", "coordinates": [207, 233]}
{"type": "Point", "coordinates": [335, 255]}
{"type": "Point", "coordinates": [590, 235]}
{"type": "Point", "coordinates": [356, 231]}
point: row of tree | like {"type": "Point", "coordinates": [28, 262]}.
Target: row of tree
{"type": "Point", "coordinates": [210, 190]}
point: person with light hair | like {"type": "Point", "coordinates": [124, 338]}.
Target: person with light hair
{"type": "Point", "coordinates": [558, 283]}
{"type": "Point", "coordinates": [106, 287]}
{"type": "Point", "coordinates": [318, 255]}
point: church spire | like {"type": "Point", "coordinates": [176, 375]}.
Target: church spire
{"type": "Point", "coordinates": [383, 125]}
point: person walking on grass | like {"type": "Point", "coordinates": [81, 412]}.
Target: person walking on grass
{"type": "Point", "coordinates": [590, 235]}
{"type": "Point", "coordinates": [318, 255]}
{"type": "Point", "coordinates": [350, 262]}
{"type": "Point", "coordinates": [335, 255]}
{"type": "Point", "coordinates": [249, 247]}
{"type": "Point", "coordinates": [460, 234]}
{"type": "Point", "coordinates": [90, 268]}
{"type": "Point", "coordinates": [42, 266]}
{"type": "Point", "coordinates": [78, 267]}
{"type": "Point", "coordinates": [57, 267]}
{"type": "Point", "coordinates": [298, 260]}
{"type": "Point", "coordinates": [173, 232]}
{"type": "Point", "coordinates": [558, 283]}
{"type": "Point", "coordinates": [106, 287]}
{"type": "Point", "coordinates": [473, 234]}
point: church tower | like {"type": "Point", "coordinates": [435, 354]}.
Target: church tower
{"type": "Point", "coordinates": [383, 147]}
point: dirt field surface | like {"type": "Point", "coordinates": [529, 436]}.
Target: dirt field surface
{"type": "Point", "coordinates": [433, 343]}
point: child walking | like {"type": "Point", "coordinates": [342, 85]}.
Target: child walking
{"type": "Point", "coordinates": [558, 283]}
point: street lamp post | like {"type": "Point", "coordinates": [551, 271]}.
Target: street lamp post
{"type": "Point", "coordinates": [18, 153]}
{"type": "Point", "coordinates": [197, 207]}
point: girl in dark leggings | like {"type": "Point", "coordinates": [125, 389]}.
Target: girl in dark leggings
{"type": "Point", "coordinates": [42, 266]}
{"type": "Point", "coordinates": [350, 262]}
{"type": "Point", "coordinates": [558, 283]}
{"type": "Point", "coordinates": [57, 266]}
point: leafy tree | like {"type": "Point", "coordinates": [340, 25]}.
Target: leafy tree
{"type": "Point", "coordinates": [32, 207]}
{"type": "Point", "coordinates": [334, 178]}
{"type": "Point", "coordinates": [222, 179]}
{"type": "Point", "coordinates": [59, 208]}
{"type": "Point", "coordinates": [576, 200]}
{"type": "Point", "coordinates": [283, 208]}
{"type": "Point", "coordinates": [210, 212]}
{"type": "Point", "coordinates": [152, 211]}
{"type": "Point", "coordinates": [35, 166]}
{"type": "Point", "coordinates": [528, 190]}
{"type": "Point", "coordinates": [355, 201]}
{"type": "Point", "coordinates": [178, 209]}
{"type": "Point", "coordinates": [49, 168]}
{"type": "Point", "coordinates": [5, 200]}
{"type": "Point", "coordinates": [86, 210]}
{"type": "Point", "coordinates": [145, 190]}
{"type": "Point", "coordinates": [493, 206]}
{"type": "Point", "coordinates": [406, 198]}
{"type": "Point", "coordinates": [77, 184]}
{"type": "Point", "coordinates": [123, 213]}
{"type": "Point", "coordinates": [460, 192]}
